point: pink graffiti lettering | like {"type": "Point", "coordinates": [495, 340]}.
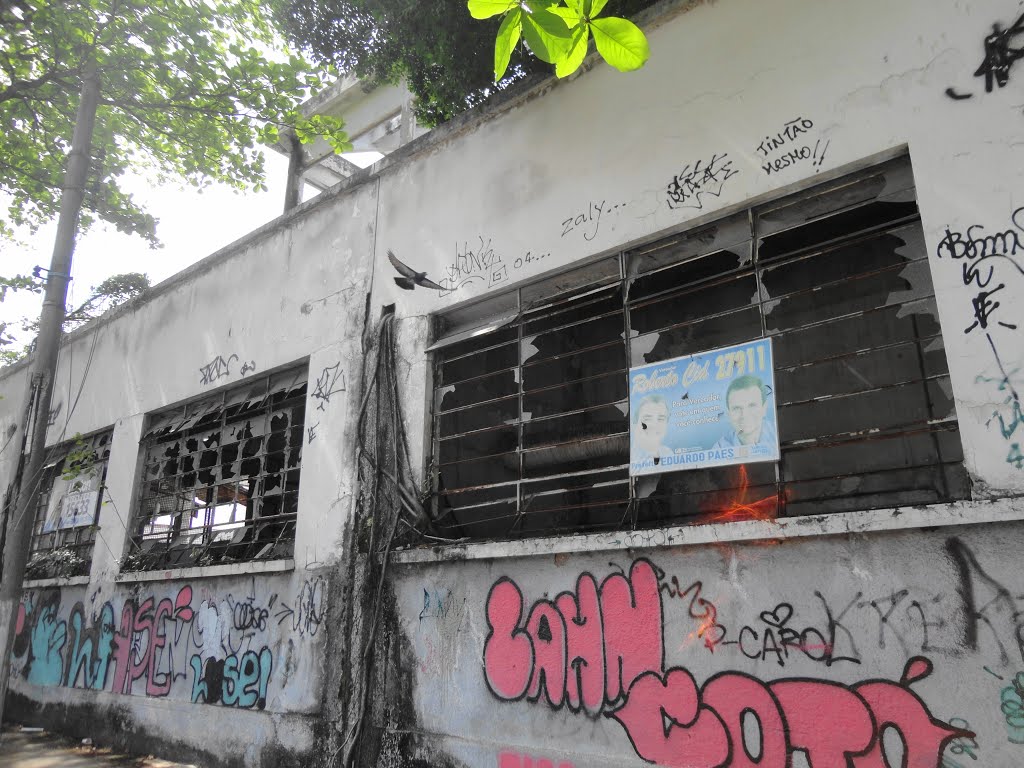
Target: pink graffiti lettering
{"type": "Point", "coordinates": [583, 649]}
{"type": "Point", "coordinates": [669, 723]}
{"type": "Point", "coordinates": [601, 649]}
{"type": "Point", "coordinates": [733, 694]}
{"type": "Point", "coordinates": [139, 643]}
{"type": "Point", "coordinates": [508, 653]}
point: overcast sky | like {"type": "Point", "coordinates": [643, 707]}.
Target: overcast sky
{"type": "Point", "coordinates": [192, 225]}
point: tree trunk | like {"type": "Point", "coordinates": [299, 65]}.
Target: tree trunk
{"type": "Point", "coordinates": [20, 525]}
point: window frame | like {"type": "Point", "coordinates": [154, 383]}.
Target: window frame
{"type": "Point", "coordinates": [45, 559]}
{"type": "Point", "coordinates": [509, 309]}
{"type": "Point", "coordinates": [199, 429]}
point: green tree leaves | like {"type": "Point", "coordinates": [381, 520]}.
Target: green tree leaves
{"type": "Point", "coordinates": [189, 88]}
{"type": "Point", "coordinates": [547, 35]}
{"type": "Point", "coordinates": [560, 34]}
{"type": "Point", "coordinates": [439, 51]}
{"type": "Point", "coordinates": [505, 42]}
{"type": "Point", "coordinates": [620, 43]}
{"type": "Point", "coordinates": [484, 9]}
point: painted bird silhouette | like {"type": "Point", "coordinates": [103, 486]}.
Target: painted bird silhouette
{"type": "Point", "coordinates": [410, 277]}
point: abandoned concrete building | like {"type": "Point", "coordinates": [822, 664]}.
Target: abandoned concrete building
{"type": "Point", "coordinates": [366, 488]}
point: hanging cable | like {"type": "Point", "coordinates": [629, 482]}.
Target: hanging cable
{"type": "Point", "coordinates": [386, 497]}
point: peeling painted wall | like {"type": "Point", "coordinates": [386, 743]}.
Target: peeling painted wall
{"type": "Point", "coordinates": [741, 102]}
{"type": "Point", "coordinates": [907, 645]}
{"type": "Point", "coordinates": [836, 631]}
{"type": "Point", "coordinates": [807, 643]}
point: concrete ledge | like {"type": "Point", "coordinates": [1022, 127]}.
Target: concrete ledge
{"type": "Point", "coordinates": [840, 523]}
{"type": "Point", "coordinates": [208, 571]}
{"type": "Point", "coordinates": [67, 581]}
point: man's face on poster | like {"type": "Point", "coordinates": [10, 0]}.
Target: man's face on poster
{"type": "Point", "coordinates": [652, 424]}
{"type": "Point", "coordinates": [747, 407]}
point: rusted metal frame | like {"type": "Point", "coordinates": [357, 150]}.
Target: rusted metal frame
{"type": "Point", "coordinates": [823, 398]}
{"type": "Point", "coordinates": [174, 535]}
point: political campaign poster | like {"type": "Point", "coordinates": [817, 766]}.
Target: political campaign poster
{"type": "Point", "coordinates": [710, 409]}
{"type": "Point", "coordinates": [73, 510]}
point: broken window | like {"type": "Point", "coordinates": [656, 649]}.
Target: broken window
{"type": "Point", "coordinates": [67, 506]}
{"type": "Point", "coordinates": [220, 477]}
{"type": "Point", "coordinates": [531, 417]}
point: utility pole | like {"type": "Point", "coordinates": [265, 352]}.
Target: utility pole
{"type": "Point", "coordinates": [20, 524]}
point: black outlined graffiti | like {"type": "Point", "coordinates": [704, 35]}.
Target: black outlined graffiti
{"type": "Point", "coordinates": [696, 181]}
{"type": "Point", "coordinates": [216, 369]}
{"type": "Point", "coordinates": [311, 432]}
{"type": "Point", "coordinates": [246, 367]}
{"type": "Point", "coordinates": [310, 607]}
{"type": "Point", "coordinates": [957, 96]}
{"type": "Point", "coordinates": [979, 255]}
{"type": "Point", "coordinates": [986, 603]}
{"type": "Point", "coordinates": [474, 266]}
{"type": "Point", "coordinates": [1000, 54]}
{"type": "Point", "coordinates": [710, 630]}
{"type": "Point", "coordinates": [330, 381]}
{"type": "Point", "coordinates": [599, 649]}
{"type": "Point", "coordinates": [247, 614]}
{"type": "Point", "coordinates": [410, 278]}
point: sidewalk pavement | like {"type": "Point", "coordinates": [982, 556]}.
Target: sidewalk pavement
{"type": "Point", "coordinates": [35, 748]}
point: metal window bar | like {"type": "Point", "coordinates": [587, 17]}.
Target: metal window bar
{"type": "Point", "coordinates": [221, 476]}
{"type": "Point", "coordinates": [838, 276]}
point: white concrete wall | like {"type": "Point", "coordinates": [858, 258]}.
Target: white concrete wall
{"type": "Point", "coordinates": [871, 78]}
{"type": "Point", "coordinates": [294, 295]}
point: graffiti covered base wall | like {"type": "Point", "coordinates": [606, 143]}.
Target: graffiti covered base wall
{"type": "Point", "coordinates": [870, 650]}
{"type": "Point", "coordinates": [188, 664]}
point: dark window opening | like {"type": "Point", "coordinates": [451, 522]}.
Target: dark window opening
{"type": "Point", "coordinates": [220, 477]}
{"type": "Point", "coordinates": [67, 506]}
{"type": "Point", "coordinates": [531, 417]}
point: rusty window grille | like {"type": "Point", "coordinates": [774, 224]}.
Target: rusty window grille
{"type": "Point", "coordinates": [531, 418]}
{"type": "Point", "coordinates": [220, 477]}
{"type": "Point", "coordinates": [67, 504]}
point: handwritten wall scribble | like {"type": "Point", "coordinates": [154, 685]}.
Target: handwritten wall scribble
{"type": "Point", "coordinates": [216, 369]}
{"type": "Point", "coordinates": [588, 221]}
{"type": "Point", "coordinates": [991, 270]}
{"type": "Point", "coordinates": [482, 264]}
{"type": "Point", "coordinates": [330, 381]}
{"type": "Point", "coordinates": [696, 181]}
{"type": "Point", "coordinates": [791, 147]}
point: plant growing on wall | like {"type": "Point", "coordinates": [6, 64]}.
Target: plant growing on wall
{"type": "Point", "coordinates": [58, 563]}
{"type": "Point", "coordinates": [80, 461]}
{"type": "Point", "coordinates": [560, 33]}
